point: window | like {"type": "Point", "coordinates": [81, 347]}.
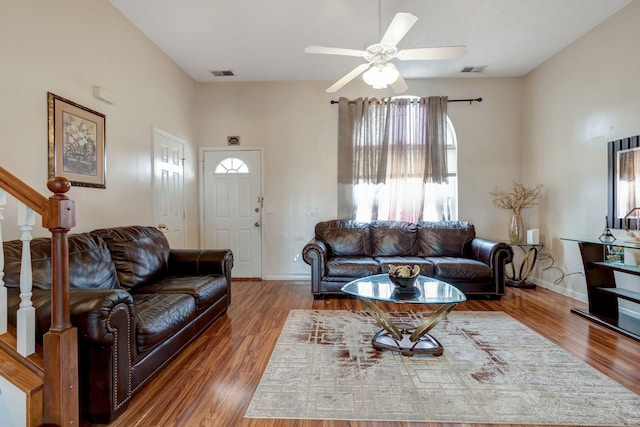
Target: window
{"type": "Point", "coordinates": [404, 194]}
{"type": "Point", "coordinates": [231, 165]}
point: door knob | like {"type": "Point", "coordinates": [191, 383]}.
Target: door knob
{"type": "Point", "coordinates": [257, 224]}
{"type": "Point", "coordinates": [162, 226]}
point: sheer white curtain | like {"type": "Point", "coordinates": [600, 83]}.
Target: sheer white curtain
{"type": "Point", "coordinates": [392, 159]}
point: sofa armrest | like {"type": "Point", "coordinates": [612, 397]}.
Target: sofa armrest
{"type": "Point", "coordinates": [102, 314]}
{"type": "Point", "coordinates": [200, 262]}
{"type": "Point", "coordinates": [496, 255]}
{"type": "Point", "coordinates": [491, 252]}
{"type": "Point", "coordinates": [315, 254]}
{"type": "Point", "coordinates": [105, 320]}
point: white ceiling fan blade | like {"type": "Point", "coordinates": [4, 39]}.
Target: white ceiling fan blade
{"type": "Point", "coordinates": [399, 86]}
{"type": "Point", "coordinates": [425, 53]}
{"type": "Point", "coordinates": [334, 51]}
{"type": "Point", "coordinates": [348, 77]}
{"type": "Point", "coordinates": [398, 28]}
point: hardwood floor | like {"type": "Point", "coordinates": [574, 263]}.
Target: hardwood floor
{"type": "Point", "coordinates": [211, 383]}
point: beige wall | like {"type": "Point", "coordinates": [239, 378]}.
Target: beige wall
{"type": "Point", "coordinates": [67, 47]}
{"type": "Point", "coordinates": [586, 95]}
{"type": "Point", "coordinates": [297, 127]}
{"type": "Point", "coordinates": [550, 127]}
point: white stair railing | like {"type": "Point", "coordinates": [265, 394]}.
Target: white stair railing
{"type": "Point", "coordinates": [26, 316]}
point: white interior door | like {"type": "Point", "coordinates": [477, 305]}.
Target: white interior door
{"type": "Point", "coordinates": [232, 207]}
{"type": "Point", "coordinates": [168, 187]}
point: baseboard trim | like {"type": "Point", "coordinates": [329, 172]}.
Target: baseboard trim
{"type": "Point", "coordinates": [560, 290]}
{"type": "Point", "coordinates": [578, 295]}
{"type": "Point", "coordinates": [288, 277]}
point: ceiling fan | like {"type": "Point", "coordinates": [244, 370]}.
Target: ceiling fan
{"type": "Point", "coordinates": [378, 71]}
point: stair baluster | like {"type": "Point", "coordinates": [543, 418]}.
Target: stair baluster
{"type": "Point", "coordinates": [26, 320]}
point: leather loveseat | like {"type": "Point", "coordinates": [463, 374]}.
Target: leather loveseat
{"type": "Point", "coordinates": [343, 250]}
{"type": "Point", "coordinates": [134, 301]}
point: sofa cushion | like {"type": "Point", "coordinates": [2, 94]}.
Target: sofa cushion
{"type": "Point", "coordinates": [90, 263]}
{"type": "Point", "coordinates": [393, 238]}
{"type": "Point", "coordinates": [140, 253]}
{"type": "Point", "coordinates": [345, 237]}
{"type": "Point", "coordinates": [158, 316]}
{"type": "Point", "coordinates": [426, 266]}
{"type": "Point", "coordinates": [450, 268]}
{"type": "Point", "coordinates": [352, 267]}
{"type": "Point", "coordinates": [206, 290]}
{"type": "Point", "coordinates": [444, 238]}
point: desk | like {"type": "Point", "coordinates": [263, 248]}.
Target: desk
{"type": "Point", "coordinates": [529, 257]}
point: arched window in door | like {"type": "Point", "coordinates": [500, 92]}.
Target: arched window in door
{"type": "Point", "coordinates": [231, 165]}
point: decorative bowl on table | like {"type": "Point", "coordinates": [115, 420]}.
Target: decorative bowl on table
{"type": "Point", "coordinates": [403, 276]}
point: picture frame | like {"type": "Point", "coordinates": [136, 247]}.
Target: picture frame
{"type": "Point", "coordinates": [76, 143]}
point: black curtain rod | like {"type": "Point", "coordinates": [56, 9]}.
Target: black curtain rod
{"type": "Point", "coordinates": [470, 100]}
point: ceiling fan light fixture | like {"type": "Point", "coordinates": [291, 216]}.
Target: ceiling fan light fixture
{"type": "Point", "coordinates": [377, 71]}
{"type": "Point", "coordinates": [381, 75]}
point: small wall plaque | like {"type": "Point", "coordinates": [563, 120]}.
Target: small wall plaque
{"type": "Point", "coordinates": [233, 140]}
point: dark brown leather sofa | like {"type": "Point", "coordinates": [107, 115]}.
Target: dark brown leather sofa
{"type": "Point", "coordinates": [344, 250]}
{"type": "Point", "coordinates": [135, 302]}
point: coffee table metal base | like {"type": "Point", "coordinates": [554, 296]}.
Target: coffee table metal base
{"type": "Point", "coordinates": [425, 344]}
{"type": "Point", "coordinates": [404, 338]}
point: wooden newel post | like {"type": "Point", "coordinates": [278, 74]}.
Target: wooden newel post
{"type": "Point", "coordinates": [61, 342]}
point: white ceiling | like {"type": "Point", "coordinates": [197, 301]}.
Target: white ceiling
{"type": "Point", "coordinates": [264, 40]}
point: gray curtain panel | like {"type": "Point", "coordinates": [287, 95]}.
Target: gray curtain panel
{"type": "Point", "coordinates": [389, 140]}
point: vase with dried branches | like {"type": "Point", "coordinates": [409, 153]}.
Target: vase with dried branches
{"type": "Point", "coordinates": [517, 198]}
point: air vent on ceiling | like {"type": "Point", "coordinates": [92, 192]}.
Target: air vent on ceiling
{"type": "Point", "coordinates": [222, 73]}
{"type": "Point", "coordinates": [477, 69]}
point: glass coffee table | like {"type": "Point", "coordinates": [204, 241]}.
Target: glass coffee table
{"type": "Point", "coordinates": [401, 337]}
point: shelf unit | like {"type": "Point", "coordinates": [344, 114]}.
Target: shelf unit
{"type": "Point", "coordinates": [602, 291]}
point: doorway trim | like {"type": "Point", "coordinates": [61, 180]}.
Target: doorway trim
{"type": "Point", "coordinates": [157, 132]}
{"type": "Point", "coordinates": [202, 150]}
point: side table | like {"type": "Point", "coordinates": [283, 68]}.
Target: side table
{"type": "Point", "coordinates": [529, 257]}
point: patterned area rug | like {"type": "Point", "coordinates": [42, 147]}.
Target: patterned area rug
{"type": "Point", "coordinates": [494, 370]}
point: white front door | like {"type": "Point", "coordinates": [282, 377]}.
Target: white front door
{"type": "Point", "coordinates": [168, 187]}
{"type": "Point", "coordinates": [232, 207]}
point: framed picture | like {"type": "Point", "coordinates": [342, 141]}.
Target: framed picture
{"type": "Point", "coordinates": [76, 143]}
